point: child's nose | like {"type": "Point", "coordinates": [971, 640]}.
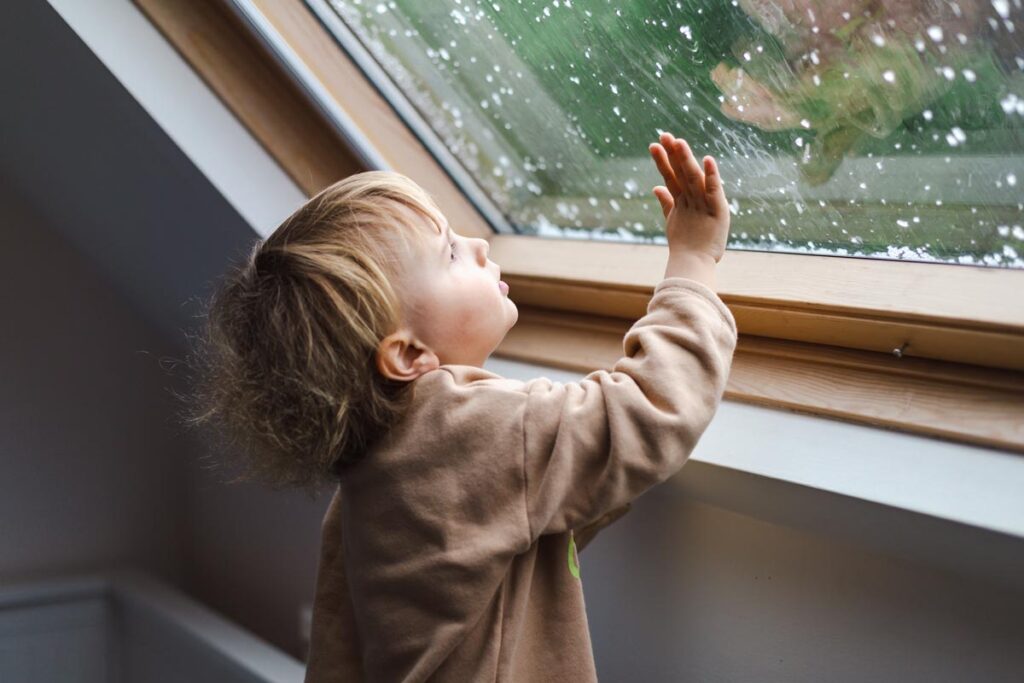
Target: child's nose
{"type": "Point", "coordinates": [482, 247]}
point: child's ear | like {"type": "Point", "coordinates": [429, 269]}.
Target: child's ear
{"type": "Point", "coordinates": [402, 357]}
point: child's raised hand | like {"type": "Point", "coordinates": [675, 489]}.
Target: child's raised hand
{"type": "Point", "coordinates": [692, 199]}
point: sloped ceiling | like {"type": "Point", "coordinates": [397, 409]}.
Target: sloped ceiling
{"type": "Point", "coordinates": [79, 148]}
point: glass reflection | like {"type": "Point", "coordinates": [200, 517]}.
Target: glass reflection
{"type": "Point", "coordinates": [845, 127]}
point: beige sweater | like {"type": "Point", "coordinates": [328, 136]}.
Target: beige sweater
{"type": "Point", "coordinates": [449, 553]}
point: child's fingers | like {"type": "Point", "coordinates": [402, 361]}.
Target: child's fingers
{"type": "Point", "coordinates": [675, 153]}
{"type": "Point", "coordinates": [693, 176]}
{"type": "Point", "coordinates": [665, 168]}
{"type": "Point", "coordinates": [664, 198]}
{"type": "Point", "coordinates": [660, 158]}
{"type": "Point", "coordinates": [715, 192]}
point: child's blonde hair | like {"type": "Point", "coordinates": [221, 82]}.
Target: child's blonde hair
{"type": "Point", "coordinates": [287, 358]}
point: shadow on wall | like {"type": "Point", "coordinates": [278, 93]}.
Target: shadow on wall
{"type": "Point", "coordinates": [110, 233]}
{"type": "Point", "coordinates": [93, 465]}
{"type": "Point", "coordinates": [101, 172]}
{"type": "Point", "coordinates": [98, 474]}
{"type": "Point", "coordinates": [681, 590]}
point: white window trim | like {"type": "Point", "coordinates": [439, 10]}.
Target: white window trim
{"type": "Point", "coordinates": [965, 484]}
{"type": "Point", "coordinates": [164, 84]}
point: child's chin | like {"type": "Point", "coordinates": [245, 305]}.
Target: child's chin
{"type": "Point", "coordinates": [515, 315]}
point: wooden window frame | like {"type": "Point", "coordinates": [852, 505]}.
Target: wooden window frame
{"type": "Point", "coordinates": [935, 349]}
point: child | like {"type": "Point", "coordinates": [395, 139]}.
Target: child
{"type": "Point", "coordinates": [349, 349]}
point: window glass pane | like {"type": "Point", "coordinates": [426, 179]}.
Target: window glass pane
{"type": "Point", "coordinates": [851, 127]}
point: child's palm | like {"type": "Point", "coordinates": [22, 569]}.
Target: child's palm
{"type": "Point", "coordinates": [692, 199]}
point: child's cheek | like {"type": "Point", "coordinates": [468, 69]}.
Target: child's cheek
{"type": "Point", "coordinates": [474, 316]}
{"type": "Point", "coordinates": [474, 308]}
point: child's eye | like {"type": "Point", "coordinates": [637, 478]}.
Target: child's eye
{"type": "Point", "coordinates": [452, 246]}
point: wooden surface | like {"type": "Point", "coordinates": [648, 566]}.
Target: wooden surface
{"type": "Point", "coordinates": [370, 112]}
{"type": "Point", "coordinates": [947, 312]}
{"type": "Point", "coordinates": [954, 401]}
{"type": "Point", "coordinates": [253, 87]}
{"type": "Point", "coordinates": [969, 295]}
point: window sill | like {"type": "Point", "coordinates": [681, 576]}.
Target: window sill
{"type": "Point", "coordinates": [948, 400]}
{"type": "Point", "coordinates": [945, 312]}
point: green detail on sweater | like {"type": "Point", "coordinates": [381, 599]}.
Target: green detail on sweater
{"type": "Point", "coordinates": [574, 562]}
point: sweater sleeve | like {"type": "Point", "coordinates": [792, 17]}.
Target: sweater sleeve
{"type": "Point", "coordinates": [593, 446]}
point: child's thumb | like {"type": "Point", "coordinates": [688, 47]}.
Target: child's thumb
{"type": "Point", "coordinates": [664, 198]}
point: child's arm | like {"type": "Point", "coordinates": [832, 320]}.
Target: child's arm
{"type": "Point", "coordinates": [593, 446]}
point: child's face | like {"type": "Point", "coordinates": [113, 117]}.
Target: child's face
{"type": "Point", "coordinates": [452, 296]}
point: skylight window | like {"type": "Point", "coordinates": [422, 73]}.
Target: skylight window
{"type": "Point", "coordinates": [842, 127]}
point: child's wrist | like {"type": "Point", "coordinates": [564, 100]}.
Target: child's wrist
{"type": "Point", "coordinates": [692, 265]}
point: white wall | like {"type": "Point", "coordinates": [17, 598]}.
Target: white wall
{"type": "Point", "coordinates": [92, 470]}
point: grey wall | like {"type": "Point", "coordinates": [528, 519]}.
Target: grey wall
{"type": "Point", "coordinates": [254, 555]}
{"type": "Point", "coordinates": [92, 467]}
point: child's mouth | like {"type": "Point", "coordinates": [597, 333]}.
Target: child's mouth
{"type": "Point", "coordinates": [503, 287]}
